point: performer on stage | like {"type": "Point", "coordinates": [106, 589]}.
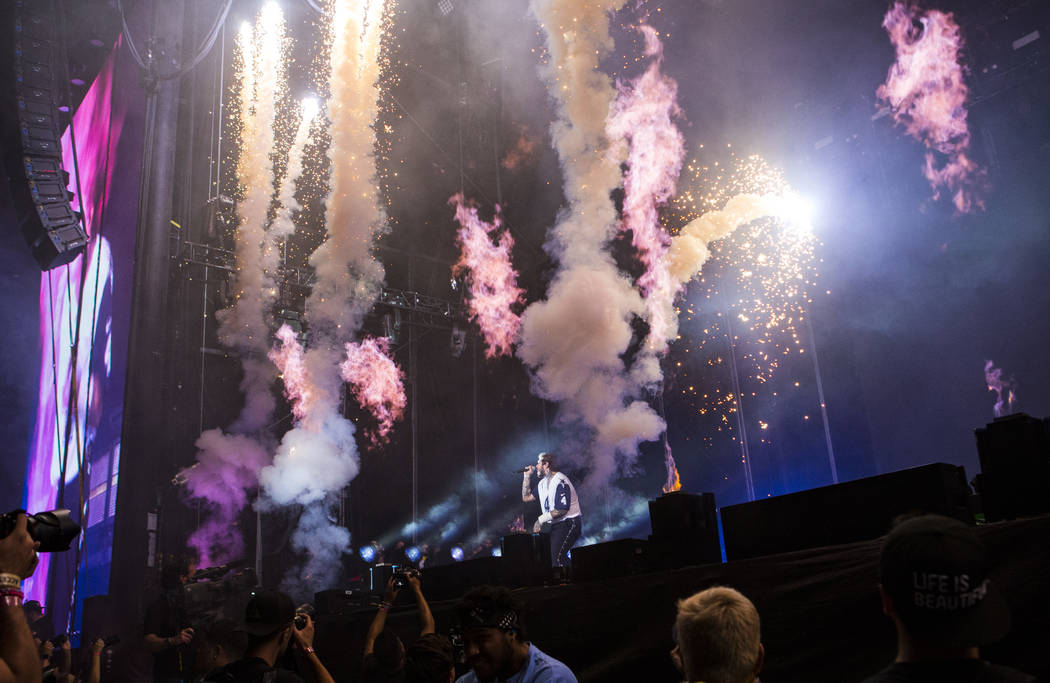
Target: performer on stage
{"type": "Point", "coordinates": [559, 505]}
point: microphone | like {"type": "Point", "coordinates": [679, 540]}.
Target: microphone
{"type": "Point", "coordinates": [523, 470]}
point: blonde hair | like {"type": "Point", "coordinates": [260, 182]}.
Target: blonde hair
{"type": "Point", "coordinates": [719, 636]}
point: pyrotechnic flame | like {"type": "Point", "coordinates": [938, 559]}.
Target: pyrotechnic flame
{"type": "Point", "coordinates": [927, 94]}
{"type": "Point", "coordinates": [493, 282]}
{"type": "Point", "coordinates": [674, 483]}
{"type": "Point", "coordinates": [376, 382]}
{"type": "Point", "coordinates": [288, 357]}
{"type": "Point", "coordinates": [993, 377]}
{"type": "Point", "coordinates": [643, 117]}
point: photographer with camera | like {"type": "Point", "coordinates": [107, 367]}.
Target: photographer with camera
{"type": "Point", "coordinates": [18, 658]}
{"type": "Point", "coordinates": [270, 622]}
{"type": "Point", "coordinates": [166, 631]}
{"type": "Point", "coordinates": [384, 652]}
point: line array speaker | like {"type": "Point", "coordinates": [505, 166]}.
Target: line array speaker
{"type": "Point", "coordinates": [32, 130]}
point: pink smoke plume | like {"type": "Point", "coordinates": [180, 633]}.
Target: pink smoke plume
{"type": "Point", "coordinates": [493, 282]}
{"type": "Point", "coordinates": [377, 384]}
{"type": "Point", "coordinates": [288, 357]}
{"type": "Point", "coordinates": [993, 377]}
{"type": "Point", "coordinates": [927, 94]}
{"type": "Point", "coordinates": [227, 468]}
{"type": "Point", "coordinates": [643, 116]}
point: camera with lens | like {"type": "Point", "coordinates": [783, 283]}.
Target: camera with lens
{"type": "Point", "coordinates": [301, 612]}
{"type": "Point", "coordinates": [54, 530]}
{"type": "Point", "coordinates": [401, 576]}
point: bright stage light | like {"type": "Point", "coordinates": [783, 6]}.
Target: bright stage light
{"type": "Point", "coordinates": [457, 553]}
{"type": "Point", "coordinates": [368, 553]}
{"type": "Point", "coordinates": [309, 106]}
{"type": "Point", "coordinates": [497, 552]}
{"type": "Point", "coordinates": [797, 211]}
{"type": "Point", "coordinates": [412, 553]}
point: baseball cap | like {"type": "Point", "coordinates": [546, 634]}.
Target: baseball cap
{"type": "Point", "coordinates": [936, 572]}
{"type": "Point", "coordinates": [267, 611]}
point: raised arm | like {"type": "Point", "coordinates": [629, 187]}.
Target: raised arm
{"type": "Point", "coordinates": [19, 660]}
{"type": "Point", "coordinates": [379, 622]}
{"type": "Point", "coordinates": [426, 619]}
{"type": "Point", "coordinates": [526, 489]}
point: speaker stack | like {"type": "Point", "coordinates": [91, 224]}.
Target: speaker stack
{"type": "Point", "coordinates": [32, 89]}
{"type": "Point", "coordinates": [1015, 467]}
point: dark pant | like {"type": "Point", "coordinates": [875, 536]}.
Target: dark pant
{"type": "Point", "coordinates": [563, 536]}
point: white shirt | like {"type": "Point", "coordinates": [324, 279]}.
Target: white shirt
{"type": "Point", "coordinates": [558, 493]}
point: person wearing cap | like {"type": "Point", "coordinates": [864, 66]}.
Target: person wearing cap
{"type": "Point", "coordinates": [935, 586]}
{"type": "Point", "coordinates": [220, 643]}
{"type": "Point", "coordinates": [496, 645]}
{"type": "Point", "coordinates": [269, 621]}
{"type": "Point", "coordinates": [559, 507]}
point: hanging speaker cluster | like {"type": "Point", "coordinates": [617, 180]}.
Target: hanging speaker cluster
{"type": "Point", "coordinates": [32, 88]}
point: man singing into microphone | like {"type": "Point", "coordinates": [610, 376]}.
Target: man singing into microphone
{"type": "Point", "coordinates": [559, 506]}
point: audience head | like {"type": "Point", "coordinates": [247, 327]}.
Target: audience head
{"type": "Point", "coordinates": [493, 631]}
{"type": "Point", "coordinates": [430, 660]}
{"type": "Point", "coordinates": [935, 586]}
{"type": "Point", "coordinates": [33, 609]}
{"type": "Point", "coordinates": [719, 637]}
{"type": "Point", "coordinates": [176, 572]}
{"type": "Point", "coordinates": [221, 642]}
{"type": "Point", "coordinates": [389, 651]}
{"type": "Point", "coordinates": [268, 619]}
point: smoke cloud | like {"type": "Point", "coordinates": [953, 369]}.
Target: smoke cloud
{"type": "Point", "coordinates": [318, 456]}
{"type": "Point", "coordinates": [228, 464]}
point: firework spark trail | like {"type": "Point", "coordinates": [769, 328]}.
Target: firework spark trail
{"type": "Point", "coordinates": [993, 377]}
{"type": "Point", "coordinates": [927, 94]}
{"type": "Point", "coordinates": [644, 116]}
{"type": "Point", "coordinates": [573, 341]}
{"type": "Point", "coordinates": [493, 282]}
{"type": "Point", "coordinates": [283, 226]}
{"type": "Point", "coordinates": [228, 465]}
{"type": "Point", "coordinates": [318, 456]}
{"type": "Point", "coordinates": [377, 383]}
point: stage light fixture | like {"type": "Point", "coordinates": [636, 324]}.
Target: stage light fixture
{"type": "Point", "coordinates": [497, 552]}
{"type": "Point", "coordinates": [445, 7]}
{"type": "Point", "coordinates": [368, 553]}
{"type": "Point", "coordinates": [412, 553]}
{"type": "Point", "coordinates": [457, 553]}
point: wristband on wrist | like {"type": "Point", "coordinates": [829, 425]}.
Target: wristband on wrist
{"type": "Point", "coordinates": [385, 605]}
{"type": "Point", "coordinates": [308, 650]}
{"type": "Point", "coordinates": [11, 600]}
{"type": "Point", "coordinates": [10, 581]}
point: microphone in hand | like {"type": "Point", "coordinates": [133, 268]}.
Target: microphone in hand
{"type": "Point", "coordinates": [524, 470]}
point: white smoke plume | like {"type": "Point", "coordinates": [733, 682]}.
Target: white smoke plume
{"type": "Point", "coordinates": [228, 464]}
{"type": "Point", "coordinates": [573, 341]}
{"type": "Point", "coordinates": [318, 456]}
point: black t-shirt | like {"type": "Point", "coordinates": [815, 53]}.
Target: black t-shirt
{"type": "Point", "coordinates": [252, 670]}
{"type": "Point", "coordinates": [958, 671]}
{"type": "Point", "coordinates": [165, 618]}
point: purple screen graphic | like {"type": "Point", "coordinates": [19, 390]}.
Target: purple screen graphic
{"type": "Point", "coordinates": [75, 452]}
